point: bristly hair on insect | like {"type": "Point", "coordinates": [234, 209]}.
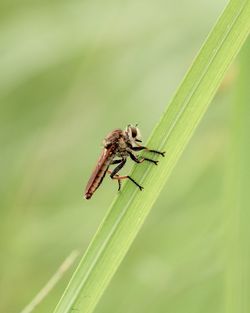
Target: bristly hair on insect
{"type": "Point", "coordinates": [118, 146]}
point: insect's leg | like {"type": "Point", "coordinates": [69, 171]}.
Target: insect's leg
{"type": "Point", "coordinates": [114, 175]}
{"type": "Point", "coordinates": [119, 184]}
{"type": "Point", "coordinates": [139, 148]}
{"type": "Point", "coordinates": [119, 178]}
{"type": "Point", "coordinates": [116, 161]}
{"type": "Point", "coordinates": [118, 168]}
{"type": "Point", "coordinates": [135, 159]}
{"type": "Point", "coordinates": [130, 178]}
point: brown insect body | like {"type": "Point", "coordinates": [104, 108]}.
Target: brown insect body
{"type": "Point", "coordinates": [120, 144]}
{"type": "Point", "coordinates": [113, 145]}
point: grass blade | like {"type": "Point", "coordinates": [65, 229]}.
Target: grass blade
{"type": "Point", "coordinates": [238, 200]}
{"type": "Point", "coordinates": [131, 207]}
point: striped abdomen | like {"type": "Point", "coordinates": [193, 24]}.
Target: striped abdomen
{"type": "Point", "coordinates": [99, 172]}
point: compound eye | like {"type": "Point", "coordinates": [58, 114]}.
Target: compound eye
{"type": "Point", "coordinates": [133, 132]}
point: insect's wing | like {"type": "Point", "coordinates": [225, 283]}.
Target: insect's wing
{"type": "Point", "coordinates": [102, 165]}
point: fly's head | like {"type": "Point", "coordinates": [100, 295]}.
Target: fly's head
{"type": "Point", "coordinates": [133, 134]}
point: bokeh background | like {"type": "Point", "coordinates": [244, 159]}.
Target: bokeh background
{"type": "Point", "coordinates": [71, 71]}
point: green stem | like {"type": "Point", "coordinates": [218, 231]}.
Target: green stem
{"type": "Point", "coordinates": [238, 208]}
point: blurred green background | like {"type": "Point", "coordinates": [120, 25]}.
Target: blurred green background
{"type": "Point", "coordinates": [71, 71]}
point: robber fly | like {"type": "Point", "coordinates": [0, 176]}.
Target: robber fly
{"type": "Point", "coordinates": [118, 144]}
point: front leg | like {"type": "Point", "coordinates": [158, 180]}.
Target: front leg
{"type": "Point", "coordinates": [135, 159]}
{"type": "Point", "coordinates": [140, 148]}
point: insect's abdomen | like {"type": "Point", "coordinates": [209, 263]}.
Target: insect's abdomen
{"type": "Point", "coordinates": [99, 173]}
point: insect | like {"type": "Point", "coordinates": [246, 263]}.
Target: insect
{"type": "Point", "coordinates": [118, 146]}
